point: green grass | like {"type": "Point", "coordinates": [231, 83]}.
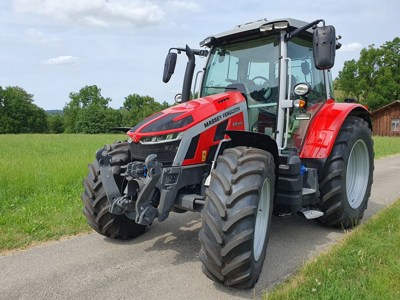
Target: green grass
{"type": "Point", "coordinates": [366, 265]}
{"type": "Point", "coordinates": [40, 186]}
{"type": "Point", "coordinates": [385, 146]}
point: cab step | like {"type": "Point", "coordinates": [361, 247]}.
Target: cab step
{"type": "Point", "coordinates": [311, 213]}
{"type": "Point", "coordinates": [308, 191]}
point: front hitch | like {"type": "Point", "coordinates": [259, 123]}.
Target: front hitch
{"type": "Point", "coordinates": [142, 178]}
{"type": "Point", "coordinates": [119, 203]}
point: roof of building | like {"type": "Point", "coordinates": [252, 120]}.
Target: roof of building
{"type": "Point", "coordinates": [385, 107]}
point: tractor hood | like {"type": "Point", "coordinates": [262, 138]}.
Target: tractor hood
{"type": "Point", "coordinates": [170, 123]}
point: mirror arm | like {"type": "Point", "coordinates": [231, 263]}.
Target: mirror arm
{"type": "Point", "coordinates": [199, 52]}
{"type": "Point", "coordinates": [190, 67]}
{"type": "Point", "coordinates": [187, 81]}
{"type": "Point", "coordinates": [297, 31]}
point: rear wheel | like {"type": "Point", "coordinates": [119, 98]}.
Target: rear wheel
{"type": "Point", "coordinates": [96, 204]}
{"type": "Point", "coordinates": [237, 216]}
{"type": "Point", "coordinates": [345, 184]}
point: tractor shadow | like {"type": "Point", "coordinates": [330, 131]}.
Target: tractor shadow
{"type": "Point", "coordinates": [178, 234]}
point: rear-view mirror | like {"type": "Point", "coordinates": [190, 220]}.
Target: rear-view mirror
{"type": "Point", "coordinates": [169, 66]}
{"type": "Point", "coordinates": [324, 47]}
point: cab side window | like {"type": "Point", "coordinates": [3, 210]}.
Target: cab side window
{"type": "Point", "coordinates": [304, 71]}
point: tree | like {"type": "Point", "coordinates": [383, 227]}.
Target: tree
{"type": "Point", "coordinates": [137, 107]}
{"type": "Point", "coordinates": [375, 78]}
{"type": "Point", "coordinates": [55, 123]}
{"type": "Point", "coordinates": [88, 112]}
{"type": "Point", "coordinates": [18, 113]}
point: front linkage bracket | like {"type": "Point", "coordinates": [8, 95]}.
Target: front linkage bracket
{"type": "Point", "coordinates": [114, 196]}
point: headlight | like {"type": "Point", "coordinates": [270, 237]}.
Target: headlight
{"type": "Point", "coordinates": [161, 138]}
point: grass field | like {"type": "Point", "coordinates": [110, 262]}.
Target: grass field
{"type": "Point", "coordinates": [386, 146]}
{"type": "Point", "coordinates": [40, 184]}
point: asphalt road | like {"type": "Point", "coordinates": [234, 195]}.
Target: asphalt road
{"type": "Point", "coordinates": [163, 263]}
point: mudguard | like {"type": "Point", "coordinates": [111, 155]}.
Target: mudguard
{"type": "Point", "coordinates": [325, 127]}
{"type": "Point", "coordinates": [252, 139]}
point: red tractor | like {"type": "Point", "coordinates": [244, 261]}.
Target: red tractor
{"type": "Point", "coordinates": [265, 136]}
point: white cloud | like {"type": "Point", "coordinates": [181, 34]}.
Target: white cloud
{"type": "Point", "coordinates": [351, 47]}
{"type": "Point", "coordinates": [62, 60]}
{"type": "Point", "coordinates": [184, 5]}
{"type": "Point", "coordinates": [94, 12]}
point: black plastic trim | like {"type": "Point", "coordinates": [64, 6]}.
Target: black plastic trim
{"type": "Point", "coordinates": [219, 132]}
{"type": "Point", "coordinates": [192, 147]}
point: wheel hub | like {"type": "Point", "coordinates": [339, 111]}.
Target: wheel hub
{"type": "Point", "coordinates": [357, 174]}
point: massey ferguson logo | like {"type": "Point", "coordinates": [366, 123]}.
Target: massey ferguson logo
{"type": "Point", "coordinates": [221, 117]}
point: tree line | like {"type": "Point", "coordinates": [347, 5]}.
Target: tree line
{"type": "Point", "coordinates": [374, 79]}
{"type": "Point", "coordinates": [86, 112]}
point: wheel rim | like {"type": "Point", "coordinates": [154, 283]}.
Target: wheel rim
{"type": "Point", "coordinates": [357, 174]}
{"type": "Point", "coordinates": [262, 220]}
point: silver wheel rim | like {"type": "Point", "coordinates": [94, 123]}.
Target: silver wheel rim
{"type": "Point", "coordinates": [262, 218]}
{"type": "Point", "coordinates": [357, 174]}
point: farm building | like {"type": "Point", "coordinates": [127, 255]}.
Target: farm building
{"type": "Point", "coordinates": [386, 120]}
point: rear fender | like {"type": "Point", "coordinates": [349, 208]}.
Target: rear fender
{"type": "Point", "coordinates": [325, 126]}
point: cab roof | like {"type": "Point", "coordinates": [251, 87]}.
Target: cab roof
{"type": "Point", "coordinates": [251, 29]}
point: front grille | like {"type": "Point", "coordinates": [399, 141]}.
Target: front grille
{"type": "Point", "coordinates": [165, 151]}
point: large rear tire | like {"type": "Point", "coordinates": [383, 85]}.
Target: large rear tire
{"type": "Point", "coordinates": [346, 181]}
{"type": "Point", "coordinates": [237, 216]}
{"type": "Point", "coordinates": [96, 204]}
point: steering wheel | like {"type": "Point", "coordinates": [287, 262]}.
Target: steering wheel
{"type": "Point", "coordinates": [263, 90]}
{"type": "Point", "coordinates": [264, 83]}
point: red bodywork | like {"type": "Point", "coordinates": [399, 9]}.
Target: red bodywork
{"type": "Point", "coordinates": [325, 127]}
{"type": "Point", "coordinates": [206, 113]}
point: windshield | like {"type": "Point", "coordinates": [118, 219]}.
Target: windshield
{"type": "Point", "coordinates": [250, 67]}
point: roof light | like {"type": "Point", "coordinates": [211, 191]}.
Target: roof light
{"type": "Point", "coordinates": [274, 26]}
{"type": "Point", "coordinates": [267, 27]}
{"type": "Point", "coordinates": [281, 25]}
{"type": "Point", "coordinates": [208, 42]}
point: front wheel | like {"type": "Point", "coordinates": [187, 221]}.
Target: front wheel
{"type": "Point", "coordinates": [346, 181]}
{"type": "Point", "coordinates": [237, 216]}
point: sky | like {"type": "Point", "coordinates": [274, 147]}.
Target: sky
{"type": "Point", "coordinates": [51, 48]}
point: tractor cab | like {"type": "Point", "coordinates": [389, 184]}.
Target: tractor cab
{"type": "Point", "coordinates": [276, 72]}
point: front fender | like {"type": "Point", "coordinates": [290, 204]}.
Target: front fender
{"type": "Point", "coordinates": [325, 126]}
{"type": "Point", "coordinates": [252, 139]}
